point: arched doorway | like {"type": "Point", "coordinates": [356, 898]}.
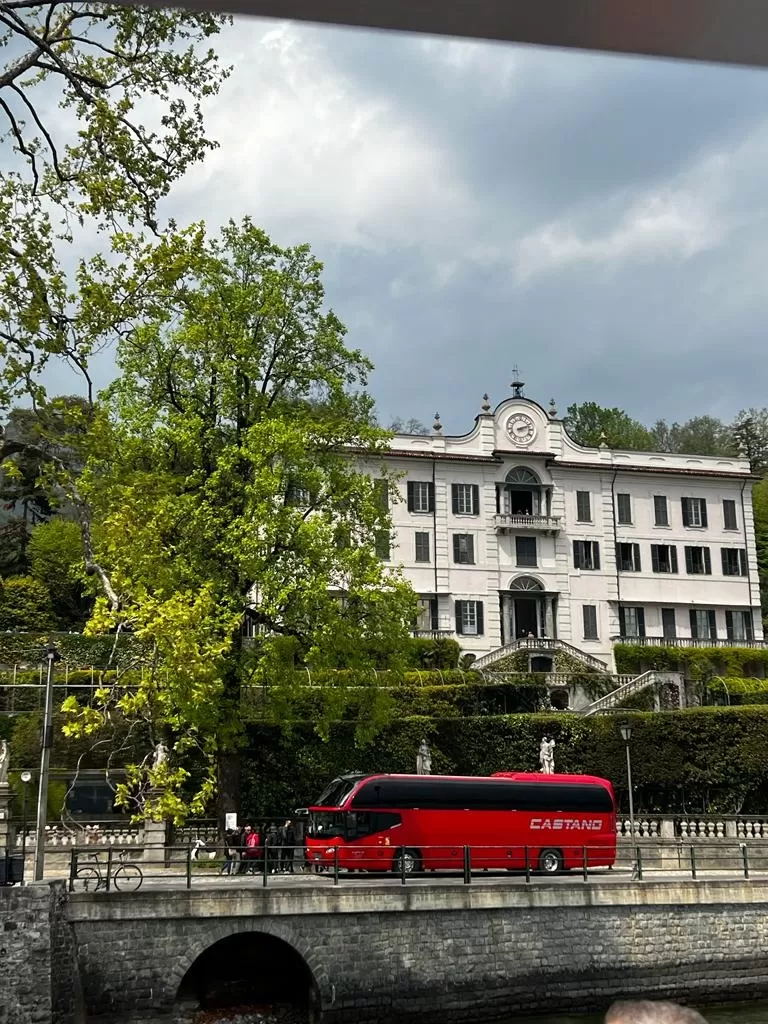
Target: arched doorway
{"type": "Point", "coordinates": [249, 971]}
{"type": "Point", "coordinates": [522, 494]}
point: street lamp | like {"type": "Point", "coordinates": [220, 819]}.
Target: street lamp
{"type": "Point", "coordinates": [26, 778]}
{"type": "Point", "coordinates": [52, 656]}
{"type": "Point", "coordinates": [626, 735]}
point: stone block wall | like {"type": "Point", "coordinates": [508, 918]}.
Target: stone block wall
{"type": "Point", "coordinates": [38, 966]}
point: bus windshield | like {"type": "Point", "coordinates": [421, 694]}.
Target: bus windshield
{"type": "Point", "coordinates": [336, 792]}
{"type": "Point", "coordinates": [327, 824]}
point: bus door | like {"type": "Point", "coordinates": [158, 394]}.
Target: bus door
{"type": "Point", "coordinates": [371, 839]}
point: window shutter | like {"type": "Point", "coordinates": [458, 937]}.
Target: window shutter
{"type": "Point", "coordinates": [640, 612]}
{"type": "Point", "coordinates": [411, 500]}
{"type": "Point", "coordinates": [686, 503]}
{"type": "Point", "coordinates": [637, 557]}
{"type": "Point", "coordinates": [470, 549]}
{"type": "Point", "coordinates": [595, 555]}
{"type": "Point", "coordinates": [455, 498]}
{"type": "Point", "coordinates": [748, 624]}
{"type": "Point", "coordinates": [689, 560]}
{"type": "Point", "coordinates": [742, 562]}
{"type": "Point", "coordinates": [703, 507]}
{"type": "Point", "coordinates": [459, 623]}
{"type": "Point", "coordinates": [655, 557]}
{"type": "Point", "coordinates": [694, 624]}
{"type": "Point", "coordinates": [712, 625]}
{"type": "Point", "coordinates": [475, 499]}
{"type": "Point", "coordinates": [707, 562]}
{"type": "Point", "coordinates": [479, 617]}
{"type": "Point", "coordinates": [729, 625]}
{"type": "Point", "coordinates": [430, 497]}
{"type": "Point", "coordinates": [576, 560]}
{"type": "Point", "coordinates": [724, 556]}
{"type": "Point", "coordinates": [673, 558]}
{"type": "Point", "coordinates": [618, 556]}
{"type": "Point", "coordinates": [456, 547]}
{"type": "Point", "coordinates": [622, 622]}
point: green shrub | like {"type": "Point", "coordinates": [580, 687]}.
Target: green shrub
{"type": "Point", "coordinates": [698, 663]}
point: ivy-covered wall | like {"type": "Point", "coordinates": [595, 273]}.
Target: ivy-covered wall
{"type": "Point", "coordinates": [712, 759]}
{"type": "Point", "coordinates": [698, 663]}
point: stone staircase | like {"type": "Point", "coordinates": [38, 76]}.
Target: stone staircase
{"type": "Point", "coordinates": [628, 689]}
{"type": "Point", "coordinates": [539, 645]}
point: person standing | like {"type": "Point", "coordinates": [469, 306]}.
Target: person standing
{"type": "Point", "coordinates": [288, 850]}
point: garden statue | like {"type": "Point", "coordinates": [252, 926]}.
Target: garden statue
{"type": "Point", "coordinates": [160, 755]}
{"type": "Point", "coordinates": [423, 759]}
{"type": "Point", "coordinates": [5, 756]}
{"type": "Point", "coordinates": [547, 756]}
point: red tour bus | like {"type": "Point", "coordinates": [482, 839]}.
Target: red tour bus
{"type": "Point", "coordinates": [427, 820]}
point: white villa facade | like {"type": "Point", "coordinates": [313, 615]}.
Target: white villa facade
{"type": "Point", "coordinates": [514, 529]}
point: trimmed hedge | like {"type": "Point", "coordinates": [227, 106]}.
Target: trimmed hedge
{"type": "Point", "coordinates": [736, 692]}
{"type": "Point", "coordinates": [699, 663]}
{"type": "Point", "coordinates": [712, 759]}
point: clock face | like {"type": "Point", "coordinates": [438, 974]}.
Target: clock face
{"type": "Point", "coordinates": [521, 429]}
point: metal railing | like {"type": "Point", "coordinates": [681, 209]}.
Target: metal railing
{"type": "Point", "coordinates": [292, 868]}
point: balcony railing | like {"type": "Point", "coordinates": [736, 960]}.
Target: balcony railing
{"type": "Point", "coordinates": [433, 634]}
{"type": "Point", "coordinates": [537, 523]}
{"type": "Point", "coordinates": [686, 641]}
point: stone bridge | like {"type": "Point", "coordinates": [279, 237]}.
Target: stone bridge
{"type": "Point", "coordinates": [423, 953]}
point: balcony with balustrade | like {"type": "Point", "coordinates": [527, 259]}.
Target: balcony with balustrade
{"type": "Point", "coordinates": [511, 522]}
{"type": "Point", "coordinates": [688, 641]}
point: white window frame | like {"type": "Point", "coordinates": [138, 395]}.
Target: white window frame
{"type": "Point", "coordinates": [694, 513]}
{"type": "Point", "coordinates": [702, 615]}
{"type": "Point", "coordinates": [630, 611]}
{"type": "Point", "coordinates": [739, 615]}
{"type": "Point", "coordinates": [421, 496]}
{"type": "Point", "coordinates": [465, 500]}
{"type": "Point", "coordinates": [469, 618]}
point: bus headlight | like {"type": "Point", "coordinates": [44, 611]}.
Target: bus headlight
{"type": "Point", "coordinates": [331, 850]}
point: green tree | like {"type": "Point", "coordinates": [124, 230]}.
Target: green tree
{"type": "Point", "coordinates": [129, 82]}
{"type": "Point", "coordinates": [220, 478]}
{"type": "Point", "coordinates": [409, 426]}
{"type": "Point", "coordinates": [25, 604]}
{"type": "Point", "coordinates": [590, 423]}
{"type": "Point", "coordinates": [702, 435]}
{"type": "Point", "coordinates": [56, 560]}
{"type": "Point", "coordinates": [750, 433]}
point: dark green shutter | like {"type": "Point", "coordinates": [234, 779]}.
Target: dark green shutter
{"type": "Point", "coordinates": [742, 562]}
{"type": "Point", "coordinates": [748, 624]}
{"type": "Point", "coordinates": [455, 499]}
{"type": "Point", "coordinates": [411, 499]}
{"type": "Point", "coordinates": [430, 497]}
{"type": "Point", "coordinates": [689, 560]}
{"type": "Point", "coordinates": [703, 507]}
{"type": "Point", "coordinates": [595, 555]}
{"type": "Point", "coordinates": [456, 547]}
{"type": "Point", "coordinates": [470, 549]}
{"type": "Point", "coordinates": [707, 562]}
{"type": "Point", "coordinates": [655, 558]}
{"type": "Point", "coordinates": [637, 557]}
{"type": "Point", "coordinates": [622, 622]}
{"type": "Point", "coordinates": [712, 625]}
{"type": "Point", "coordinates": [694, 624]}
{"type": "Point", "coordinates": [479, 617]}
{"type": "Point", "coordinates": [576, 561]}
{"type": "Point", "coordinates": [686, 503]}
{"type": "Point", "coordinates": [459, 624]}
{"type": "Point", "coordinates": [726, 565]}
{"type": "Point", "coordinates": [729, 625]}
{"type": "Point", "coordinates": [475, 499]}
{"type": "Point", "coordinates": [640, 612]}
{"type": "Point", "coordinates": [673, 558]}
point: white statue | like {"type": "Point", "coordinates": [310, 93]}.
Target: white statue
{"type": "Point", "coordinates": [160, 755]}
{"type": "Point", "coordinates": [547, 756]}
{"type": "Point", "coordinates": [5, 756]}
{"type": "Point", "coordinates": [423, 759]}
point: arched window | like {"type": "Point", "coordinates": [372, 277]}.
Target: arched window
{"type": "Point", "coordinates": [522, 477]}
{"type": "Point", "coordinates": [526, 583]}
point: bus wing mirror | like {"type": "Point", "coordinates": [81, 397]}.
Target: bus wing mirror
{"type": "Point", "coordinates": [301, 812]}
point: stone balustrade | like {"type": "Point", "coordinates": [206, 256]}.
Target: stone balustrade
{"type": "Point", "coordinates": [693, 826]}
{"type": "Point", "coordinates": [84, 835]}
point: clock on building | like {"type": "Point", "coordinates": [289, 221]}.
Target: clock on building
{"type": "Point", "coordinates": [521, 428]}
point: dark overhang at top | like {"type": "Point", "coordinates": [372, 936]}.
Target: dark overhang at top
{"type": "Point", "coordinates": [726, 31]}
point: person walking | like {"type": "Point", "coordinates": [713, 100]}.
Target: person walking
{"type": "Point", "coordinates": [252, 849]}
{"type": "Point", "coordinates": [231, 855]}
{"type": "Point", "coordinates": [288, 849]}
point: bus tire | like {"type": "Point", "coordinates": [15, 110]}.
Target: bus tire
{"type": "Point", "coordinates": [412, 861]}
{"type": "Point", "coordinates": [550, 862]}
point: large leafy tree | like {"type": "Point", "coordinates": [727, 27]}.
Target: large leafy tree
{"type": "Point", "coordinates": [590, 424]}
{"type": "Point", "coordinates": [226, 493]}
{"type": "Point", "coordinates": [701, 435]}
{"type": "Point", "coordinates": [101, 105]}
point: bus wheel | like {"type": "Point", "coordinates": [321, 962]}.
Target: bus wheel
{"type": "Point", "coordinates": [411, 861]}
{"type": "Point", "coordinates": [550, 862]}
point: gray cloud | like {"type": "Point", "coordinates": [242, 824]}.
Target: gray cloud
{"type": "Point", "coordinates": [601, 221]}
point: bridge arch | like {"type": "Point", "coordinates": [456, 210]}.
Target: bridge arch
{"type": "Point", "coordinates": [250, 962]}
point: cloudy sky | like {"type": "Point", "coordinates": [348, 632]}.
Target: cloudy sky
{"type": "Point", "coordinates": [602, 222]}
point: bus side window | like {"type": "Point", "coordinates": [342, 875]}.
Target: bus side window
{"type": "Point", "coordinates": [362, 823]}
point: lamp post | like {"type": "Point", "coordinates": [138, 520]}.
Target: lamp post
{"type": "Point", "coordinates": [26, 778]}
{"type": "Point", "coordinates": [626, 735]}
{"type": "Point", "coordinates": [53, 656]}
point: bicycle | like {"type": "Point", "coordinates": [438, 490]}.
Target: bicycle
{"type": "Point", "coordinates": [127, 877]}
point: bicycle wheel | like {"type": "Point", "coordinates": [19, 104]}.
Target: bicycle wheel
{"type": "Point", "coordinates": [86, 880]}
{"type": "Point", "coordinates": [127, 878]}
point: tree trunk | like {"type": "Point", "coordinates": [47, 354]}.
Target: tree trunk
{"type": "Point", "coordinates": [228, 787]}
{"type": "Point", "coordinates": [228, 760]}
